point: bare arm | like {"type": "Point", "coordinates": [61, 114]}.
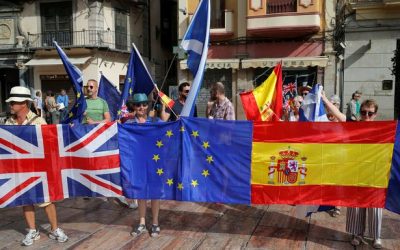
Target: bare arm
{"type": "Point", "coordinates": [333, 109]}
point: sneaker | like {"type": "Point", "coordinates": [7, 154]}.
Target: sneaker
{"type": "Point", "coordinates": [141, 228]}
{"type": "Point", "coordinates": [336, 212]}
{"type": "Point", "coordinates": [58, 235]}
{"type": "Point", "coordinates": [32, 235]}
{"type": "Point", "coordinates": [155, 230]}
{"type": "Point", "coordinates": [377, 244]}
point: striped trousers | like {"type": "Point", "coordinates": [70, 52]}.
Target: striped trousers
{"type": "Point", "coordinates": [356, 218]}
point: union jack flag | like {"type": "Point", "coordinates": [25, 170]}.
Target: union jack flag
{"type": "Point", "coordinates": [289, 88]}
{"type": "Point", "coordinates": [53, 162]}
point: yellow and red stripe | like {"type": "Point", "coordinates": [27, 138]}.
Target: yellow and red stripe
{"type": "Point", "coordinates": [166, 100]}
{"type": "Point", "coordinates": [264, 103]}
{"type": "Point", "coordinates": [343, 164]}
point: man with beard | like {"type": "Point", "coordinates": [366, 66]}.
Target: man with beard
{"type": "Point", "coordinates": [221, 107]}
{"type": "Point", "coordinates": [97, 109]}
{"type": "Point", "coordinates": [184, 89]}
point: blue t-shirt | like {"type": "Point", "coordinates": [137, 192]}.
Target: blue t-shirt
{"type": "Point", "coordinates": [63, 99]}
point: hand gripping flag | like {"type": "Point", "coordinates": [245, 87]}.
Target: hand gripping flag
{"type": "Point", "coordinates": [77, 111]}
{"type": "Point", "coordinates": [264, 103]}
{"type": "Point", "coordinates": [137, 80]}
{"type": "Point", "coordinates": [110, 94]}
{"type": "Point", "coordinates": [195, 42]}
{"type": "Point", "coordinates": [313, 108]}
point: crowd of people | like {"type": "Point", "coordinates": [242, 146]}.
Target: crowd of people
{"type": "Point", "coordinates": [53, 110]}
{"type": "Point", "coordinates": [143, 110]}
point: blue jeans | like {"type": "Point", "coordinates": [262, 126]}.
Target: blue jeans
{"type": "Point", "coordinates": [63, 114]}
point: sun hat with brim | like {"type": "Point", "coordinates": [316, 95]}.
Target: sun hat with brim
{"type": "Point", "coordinates": [19, 94]}
{"type": "Point", "coordinates": [139, 98]}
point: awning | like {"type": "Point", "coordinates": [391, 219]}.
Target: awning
{"type": "Point", "coordinates": [288, 62]}
{"type": "Point", "coordinates": [217, 64]}
{"type": "Point", "coordinates": [56, 61]}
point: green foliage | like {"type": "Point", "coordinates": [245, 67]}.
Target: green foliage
{"type": "Point", "coordinates": [396, 64]}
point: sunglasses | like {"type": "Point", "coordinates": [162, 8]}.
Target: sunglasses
{"type": "Point", "coordinates": [186, 91]}
{"type": "Point", "coordinates": [91, 87]}
{"type": "Point", "coordinates": [13, 103]}
{"type": "Point", "coordinates": [143, 104]}
{"type": "Point", "coordinates": [367, 113]}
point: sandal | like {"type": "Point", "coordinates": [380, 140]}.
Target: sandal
{"type": "Point", "coordinates": [357, 240]}
{"type": "Point", "coordinates": [155, 230]}
{"type": "Point", "coordinates": [139, 230]}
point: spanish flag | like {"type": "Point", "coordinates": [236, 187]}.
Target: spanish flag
{"type": "Point", "coordinates": [166, 100]}
{"type": "Point", "coordinates": [264, 103]}
{"type": "Point", "coordinates": [337, 164]}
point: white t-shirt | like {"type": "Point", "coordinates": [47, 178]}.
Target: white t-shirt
{"type": "Point", "coordinates": [38, 102]}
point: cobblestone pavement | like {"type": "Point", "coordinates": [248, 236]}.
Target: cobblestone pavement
{"type": "Point", "coordinates": [98, 224]}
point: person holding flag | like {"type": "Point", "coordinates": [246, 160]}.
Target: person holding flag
{"type": "Point", "coordinates": [97, 109]}
{"type": "Point", "coordinates": [173, 113]}
{"type": "Point", "coordinates": [20, 101]}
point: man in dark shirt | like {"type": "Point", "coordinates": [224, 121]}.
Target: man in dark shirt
{"type": "Point", "coordinates": [184, 89]}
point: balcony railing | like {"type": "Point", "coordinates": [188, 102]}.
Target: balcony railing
{"type": "Point", "coordinates": [84, 38]}
{"type": "Point", "coordinates": [281, 6]}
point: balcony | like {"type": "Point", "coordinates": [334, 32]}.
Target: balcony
{"type": "Point", "coordinates": [373, 4]}
{"type": "Point", "coordinates": [283, 18]}
{"type": "Point", "coordinates": [84, 38]}
{"type": "Point", "coordinates": [223, 28]}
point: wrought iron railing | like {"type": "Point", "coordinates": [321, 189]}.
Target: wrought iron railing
{"type": "Point", "coordinates": [281, 6]}
{"type": "Point", "coordinates": [84, 38]}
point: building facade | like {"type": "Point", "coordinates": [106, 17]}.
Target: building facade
{"type": "Point", "coordinates": [95, 34]}
{"type": "Point", "coordinates": [370, 35]}
{"type": "Point", "coordinates": [249, 37]}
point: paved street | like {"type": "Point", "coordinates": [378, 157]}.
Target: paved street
{"type": "Point", "coordinates": [96, 224]}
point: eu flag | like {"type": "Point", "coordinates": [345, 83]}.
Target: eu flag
{"type": "Point", "coordinates": [137, 80]}
{"type": "Point", "coordinates": [75, 76]}
{"type": "Point", "coordinates": [110, 94]}
{"type": "Point", "coordinates": [192, 159]}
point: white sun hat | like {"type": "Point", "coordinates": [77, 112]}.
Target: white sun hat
{"type": "Point", "coordinates": [19, 94]}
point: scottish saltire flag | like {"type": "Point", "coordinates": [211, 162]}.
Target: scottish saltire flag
{"type": "Point", "coordinates": [52, 162]}
{"type": "Point", "coordinates": [76, 114]}
{"type": "Point", "coordinates": [313, 108]}
{"type": "Point", "coordinates": [393, 194]}
{"type": "Point", "coordinates": [110, 94]}
{"type": "Point", "coordinates": [195, 42]}
{"type": "Point", "coordinates": [192, 159]}
{"type": "Point", "coordinates": [137, 80]}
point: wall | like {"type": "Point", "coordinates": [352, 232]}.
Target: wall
{"type": "Point", "coordinates": [365, 67]}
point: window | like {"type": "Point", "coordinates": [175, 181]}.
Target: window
{"type": "Point", "coordinates": [56, 23]}
{"type": "Point", "coordinates": [217, 14]}
{"type": "Point", "coordinates": [121, 29]}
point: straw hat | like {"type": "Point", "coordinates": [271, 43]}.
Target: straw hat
{"type": "Point", "coordinates": [19, 94]}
